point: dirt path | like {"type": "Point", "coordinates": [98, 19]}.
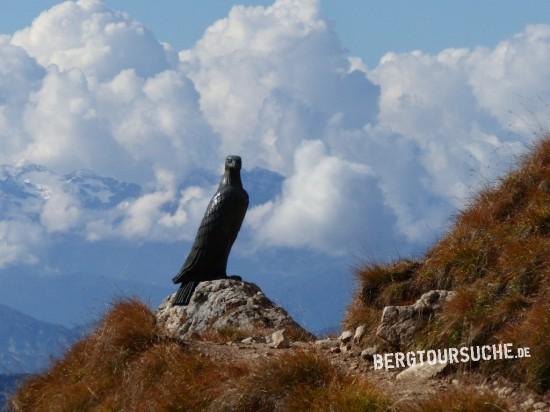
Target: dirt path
{"type": "Point", "coordinates": [351, 362]}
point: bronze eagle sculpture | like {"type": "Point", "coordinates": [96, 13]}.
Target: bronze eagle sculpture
{"type": "Point", "coordinates": [217, 232]}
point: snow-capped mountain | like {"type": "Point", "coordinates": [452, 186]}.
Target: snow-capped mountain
{"type": "Point", "coordinates": [99, 192]}
{"type": "Point", "coordinates": [27, 345]}
{"type": "Point", "coordinates": [21, 184]}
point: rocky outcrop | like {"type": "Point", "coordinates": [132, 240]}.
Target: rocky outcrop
{"type": "Point", "coordinates": [399, 323]}
{"type": "Point", "coordinates": [227, 304]}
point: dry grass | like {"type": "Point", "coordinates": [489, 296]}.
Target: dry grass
{"type": "Point", "coordinates": [125, 365]}
{"type": "Point", "coordinates": [226, 334]}
{"type": "Point", "coordinates": [497, 257]}
{"type": "Point", "coordinates": [459, 401]}
{"type": "Point", "coordinates": [380, 285]}
{"type": "Point", "coordinates": [302, 381]}
{"type": "Point", "coordinates": [233, 334]}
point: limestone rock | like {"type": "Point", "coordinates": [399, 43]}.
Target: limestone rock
{"type": "Point", "coordinates": [368, 353]}
{"type": "Point", "coordinates": [399, 323]}
{"type": "Point", "coordinates": [421, 372]}
{"type": "Point", "coordinates": [222, 304]}
{"type": "Point", "coordinates": [327, 343]}
{"type": "Point", "coordinates": [539, 406]}
{"type": "Point", "coordinates": [359, 333]}
{"type": "Point", "coordinates": [346, 336]}
{"type": "Point", "coordinates": [279, 340]}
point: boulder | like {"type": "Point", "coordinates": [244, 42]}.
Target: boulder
{"type": "Point", "coordinates": [399, 323]}
{"type": "Point", "coordinates": [359, 333]}
{"type": "Point", "coordinates": [421, 372]}
{"type": "Point", "coordinates": [346, 336]}
{"type": "Point", "coordinates": [368, 353]}
{"type": "Point", "coordinates": [279, 340]}
{"type": "Point", "coordinates": [226, 304]}
{"type": "Point", "coordinates": [327, 343]}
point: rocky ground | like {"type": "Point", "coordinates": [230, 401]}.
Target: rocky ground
{"type": "Point", "coordinates": [351, 361]}
{"type": "Point", "coordinates": [223, 304]}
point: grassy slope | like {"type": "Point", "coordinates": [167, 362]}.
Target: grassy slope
{"type": "Point", "coordinates": [126, 366]}
{"type": "Point", "coordinates": [497, 257]}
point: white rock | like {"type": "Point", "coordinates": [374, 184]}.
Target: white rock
{"type": "Point", "coordinates": [248, 340]}
{"type": "Point", "coordinates": [359, 333]}
{"type": "Point", "coordinates": [345, 348]}
{"type": "Point", "coordinates": [326, 343]}
{"type": "Point", "coordinates": [530, 401]}
{"type": "Point", "coordinates": [421, 372]}
{"type": "Point", "coordinates": [539, 406]}
{"type": "Point", "coordinates": [368, 353]}
{"type": "Point", "coordinates": [346, 336]}
{"type": "Point", "coordinates": [279, 340]}
{"type": "Point", "coordinates": [399, 323]}
{"type": "Point", "coordinates": [224, 303]}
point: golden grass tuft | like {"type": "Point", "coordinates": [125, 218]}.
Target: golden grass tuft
{"type": "Point", "coordinates": [302, 381]}
{"type": "Point", "coordinates": [466, 400]}
{"type": "Point", "coordinates": [379, 286]}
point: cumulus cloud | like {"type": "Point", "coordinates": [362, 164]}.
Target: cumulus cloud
{"type": "Point", "coordinates": [85, 35]}
{"type": "Point", "coordinates": [373, 158]}
{"type": "Point", "coordinates": [269, 77]}
{"type": "Point", "coordinates": [328, 203]}
{"type": "Point", "coordinates": [87, 87]}
{"type": "Point", "coordinates": [161, 214]}
{"type": "Point", "coordinates": [19, 242]}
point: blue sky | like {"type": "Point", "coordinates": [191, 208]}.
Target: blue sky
{"type": "Point", "coordinates": [363, 129]}
{"type": "Point", "coordinates": [368, 29]}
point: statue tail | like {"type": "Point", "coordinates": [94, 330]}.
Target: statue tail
{"type": "Point", "coordinates": [185, 292]}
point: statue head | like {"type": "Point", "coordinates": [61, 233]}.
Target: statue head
{"type": "Point", "coordinates": [233, 162]}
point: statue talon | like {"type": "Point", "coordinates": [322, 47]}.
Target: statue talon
{"type": "Point", "coordinates": [217, 232]}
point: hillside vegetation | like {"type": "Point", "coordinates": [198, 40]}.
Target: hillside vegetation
{"type": "Point", "coordinates": [125, 365]}
{"type": "Point", "coordinates": [497, 257]}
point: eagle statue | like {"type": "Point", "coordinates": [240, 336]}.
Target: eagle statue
{"type": "Point", "coordinates": [218, 230]}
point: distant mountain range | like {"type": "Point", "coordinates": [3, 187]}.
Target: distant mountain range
{"type": "Point", "coordinates": [27, 345]}
{"type": "Point", "coordinates": [20, 185]}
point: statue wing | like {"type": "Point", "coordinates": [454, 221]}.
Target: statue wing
{"type": "Point", "coordinates": [208, 233]}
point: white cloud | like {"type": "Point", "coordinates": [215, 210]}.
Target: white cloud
{"type": "Point", "coordinates": [270, 77]}
{"type": "Point", "coordinates": [162, 214]}
{"type": "Point", "coordinates": [511, 82]}
{"type": "Point", "coordinates": [373, 159]}
{"type": "Point", "coordinates": [88, 36]}
{"type": "Point", "coordinates": [328, 203]}
{"type": "Point", "coordinates": [61, 211]}
{"type": "Point", "coordinates": [86, 87]}
{"type": "Point", "coordinates": [19, 242]}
